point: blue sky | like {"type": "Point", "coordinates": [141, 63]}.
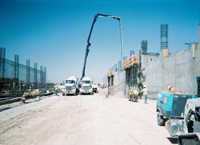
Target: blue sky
{"type": "Point", "coordinates": [54, 33]}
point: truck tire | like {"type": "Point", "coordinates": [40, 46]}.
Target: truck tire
{"type": "Point", "coordinates": [63, 94]}
{"type": "Point", "coordinates": [160, 120]}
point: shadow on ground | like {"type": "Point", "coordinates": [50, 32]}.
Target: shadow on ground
{"type": "Point", "coordinates": [173, 140]}
{"type": "Point", "coordinates": [6, 108]}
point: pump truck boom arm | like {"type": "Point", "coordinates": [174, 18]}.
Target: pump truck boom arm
{"type": "Point", "coordinates": [88, 40]}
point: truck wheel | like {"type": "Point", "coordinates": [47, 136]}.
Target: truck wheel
{"type": "Point", "coordinates": [160, 120]}
{"type": "Point", "coordinates": [63, 94]}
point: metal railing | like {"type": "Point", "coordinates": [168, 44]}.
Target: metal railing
{"type": "Point", "coordinates": [121, 86]}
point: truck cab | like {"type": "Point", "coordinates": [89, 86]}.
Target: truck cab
{"type": "Point", "coordinates": [71, 86]}
{"type": "Point", "coordinates": [86, 86]}
{"type": "Point", "coordinates": [95, 88]}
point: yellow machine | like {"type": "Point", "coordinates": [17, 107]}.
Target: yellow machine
{"type": "Point", "coordinates": [133, 95]}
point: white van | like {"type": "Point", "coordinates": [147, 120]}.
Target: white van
{"type": "Point", "coordinates": [71, 86]}
{"type": "Point", "coordinates": [86, 86]}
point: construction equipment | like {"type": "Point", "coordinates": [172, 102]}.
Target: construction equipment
{"type": "Point", "coordinates": [95, 88]}
{"type": "Point", "coordinates": [71, 86]}
{"type": "Point", "coordinates": [133, 95]}
{"type": "Point", "coordinates": [180, 114]}
{"type": "Point", "coordinates": [191, 126]}
{"type": "Point", "coordinates": [89, 44]}
{"type": "Point", "coordinates": [170, 106]}
{"type": "Point", "coordinates": [86, 86]}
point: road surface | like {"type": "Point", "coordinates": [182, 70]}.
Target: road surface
{"type": "Point", "coordinates": [83, 120]}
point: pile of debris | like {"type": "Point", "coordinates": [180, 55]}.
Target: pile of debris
{"type": "Point", "coordinates": [28, 94]}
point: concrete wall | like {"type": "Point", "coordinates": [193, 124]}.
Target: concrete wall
{"type": "Point", "coordinates": [178, 70]}
{"type": "Point", "coordinates": [151, 73]}
{"type": "Point", "coordinates": [119, 77]}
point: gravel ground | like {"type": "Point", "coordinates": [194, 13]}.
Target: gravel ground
{"type": "Point", "coordinates": [83, 120]}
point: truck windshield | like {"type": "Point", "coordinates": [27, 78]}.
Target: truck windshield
{"type": "Point", "coordinates": [69, 82]}
{"type": "Point", "coordinates": [85, 82]}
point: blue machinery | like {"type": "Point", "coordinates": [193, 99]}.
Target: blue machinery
{"type": "Point", "coordinates": [88, 43]}
{"type": "Point", "coordinates": [180, 114]}
{"type": "Point", "coordinates": [171, 105]}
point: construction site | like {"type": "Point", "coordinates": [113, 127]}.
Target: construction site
{"type": "Point", "coordinates": [158, 70]}
{"type": "Point", "coordinates": [18, 80]}
{"type": "Point", "coordinates": [149, 98]}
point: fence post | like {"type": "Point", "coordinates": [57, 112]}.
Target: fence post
{"type": "Point", "coordinates": [28, 72]}
{"type": "Point", "coordinates": [44, 76]}
{"type": "Point", "coordinates": [16, 72]}
{"type": "Point", "coordinates": [2, 62]}
{"type": "Point", "coordinates": [35, 75]}
{"type": "Point", "coordinates": [41, 76]}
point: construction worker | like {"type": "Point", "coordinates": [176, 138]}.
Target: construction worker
{"type": "Point", "coordinates": [144, 91]}
{"type": "Point", "coordinates": [171, 90]}
{"type": "Point", "coordinates": [56, 89]}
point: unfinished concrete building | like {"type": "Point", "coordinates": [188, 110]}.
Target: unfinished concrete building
{"type": "Point", "coordinates": [181, 70]}
{"type": "Point", "coordinates": [157, 71]}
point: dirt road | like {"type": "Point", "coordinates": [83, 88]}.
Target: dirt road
{"type": "Point", "coordinates": [85, 120]}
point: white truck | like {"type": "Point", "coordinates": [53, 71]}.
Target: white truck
{"type": "Point", "coordinates": [86, 86]}
{"type": "Point", "coordinates": [95, 88]}
{"type": "Point", "coordinates": [71, 86]}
